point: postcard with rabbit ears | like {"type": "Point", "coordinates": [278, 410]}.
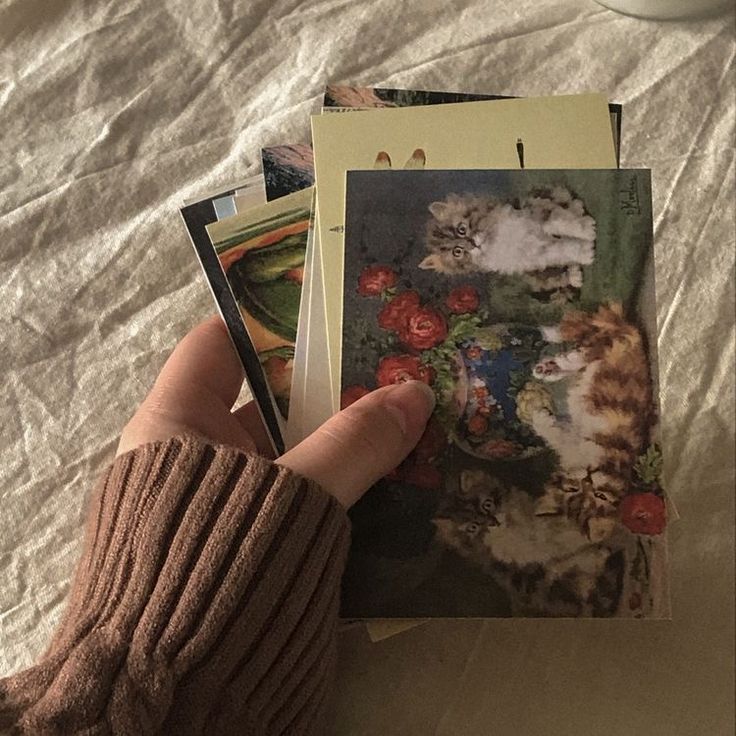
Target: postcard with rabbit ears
{"type": "Point", "coordinates": [344, 98]}
{"type": "Point", "coordinates": [525, 299]}
{"type": "Point", "coordinates": [572, 131]}
{"type": "Point", "coordinates": [287, 168]}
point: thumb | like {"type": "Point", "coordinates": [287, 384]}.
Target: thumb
{"type": "Point", "coordinates": [364, 442]}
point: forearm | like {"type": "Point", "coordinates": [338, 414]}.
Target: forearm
{"type": "Point", "coordinates": [206, 601]}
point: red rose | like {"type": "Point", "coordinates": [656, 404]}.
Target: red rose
{"type": "Point", "coordinates": [431, 443]}
{"type": "Point", "coordinates": [424, 329]}
{"type": "Point", "coordinates": [643, 513]}
{"type": "Point", "coordinates": [376, 279]}
{"type": "Point", "coordinates": [396, 313]}
{"type": "Point", "coordinates": [477, 425]}
{"type": "Point", "coordinates": [423, 476]}
{"type": "Point", "coordinates": [351, 394]}
{"type": "Point", "coordinates": [463, 300]}
{"type": "Point", "coordinates": [499, 448]}
{"type": "Point", "coordinates": [399, 368]}
{"type": "Point", "coordinates": [474, 353]}
{"type": "Point", "coordinates": [481, 392]}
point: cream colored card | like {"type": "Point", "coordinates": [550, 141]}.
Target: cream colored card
{"type": "Point", "coordinates": [251, 195]}
{"type": "Point", "coordinates": [311, 390]}
{"type": "Point", "coordinates": [318, 398]}
{"type": "Point", "coordinates": [294, 431]}
{"type": "Point", "coordinates": [571, 132]}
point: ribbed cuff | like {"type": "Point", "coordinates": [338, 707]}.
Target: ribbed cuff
{"type": "Point", "coordinates": [205, 602]}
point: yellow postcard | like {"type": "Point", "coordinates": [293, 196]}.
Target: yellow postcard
{"type": "Point", "coordinates": [562, 132]}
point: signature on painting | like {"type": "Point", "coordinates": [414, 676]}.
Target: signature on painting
{"type": "Point", "coordinates": [629, 198]}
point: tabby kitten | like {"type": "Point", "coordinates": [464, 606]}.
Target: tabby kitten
{"type": "Point", "coordinates": [469, 233]}
{"type": "Point", "coordinates": [543, 562]}
{"type": "Point", "coordinates": [609, 413]}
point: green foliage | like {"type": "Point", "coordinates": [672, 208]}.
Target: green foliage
{"type": "Point", "coordinates": [273, 261]}
{"type": "Point", "coordinates": [259, 286]}
{"type": "Point", "coordinates": [517, 381]}
{"type": "Point", "coordinates": [461, 327]}
{"type": "Point", "coordinates": [368, 343]}
{"type": "Point", "coordinates": [488, 338]}
{"type": "Point", "coordinates": [649, 466]}
{"type": "Point", "coordinates": [275, 304]}
{"type": "Point", "coordinates": [442, 360]}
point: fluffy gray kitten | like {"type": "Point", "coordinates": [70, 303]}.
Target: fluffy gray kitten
{"type": "Point", "coordinates": [547, 237]}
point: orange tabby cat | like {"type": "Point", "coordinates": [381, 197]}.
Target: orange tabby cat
{"type": "Point", "coordinates": [610, 413]}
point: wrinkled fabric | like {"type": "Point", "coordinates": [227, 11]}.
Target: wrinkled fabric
{"type": "Point", "coordinates": [112, 114]}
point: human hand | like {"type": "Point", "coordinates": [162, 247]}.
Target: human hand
{"type": "Point", "coordinates": [200, 382]}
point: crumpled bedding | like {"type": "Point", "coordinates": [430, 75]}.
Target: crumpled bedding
{"type": "Point", "coordinates": [112, 114]}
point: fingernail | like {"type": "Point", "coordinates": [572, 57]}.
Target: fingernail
{"type": "Point", "coordinates": [411, 404]}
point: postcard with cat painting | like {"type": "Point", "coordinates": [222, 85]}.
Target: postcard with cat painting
{"type": "Point", "coordinates": [525, 299]}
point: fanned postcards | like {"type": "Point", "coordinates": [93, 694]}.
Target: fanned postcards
{"type": "Point", "coordinates": [492, 250]}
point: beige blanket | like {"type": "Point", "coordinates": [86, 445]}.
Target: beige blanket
{"type": "Point", "coordinates": [113, 113]}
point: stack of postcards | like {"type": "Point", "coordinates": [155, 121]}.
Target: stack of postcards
{"type": "Point", "coordinates": [492, 248]}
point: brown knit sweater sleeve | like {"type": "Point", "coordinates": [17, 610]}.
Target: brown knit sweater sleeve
{"type": "Point", "coordinates": [205, 602]}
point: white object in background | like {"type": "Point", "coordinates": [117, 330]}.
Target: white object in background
{"type": "Point", "coordinates": [666, 9]}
